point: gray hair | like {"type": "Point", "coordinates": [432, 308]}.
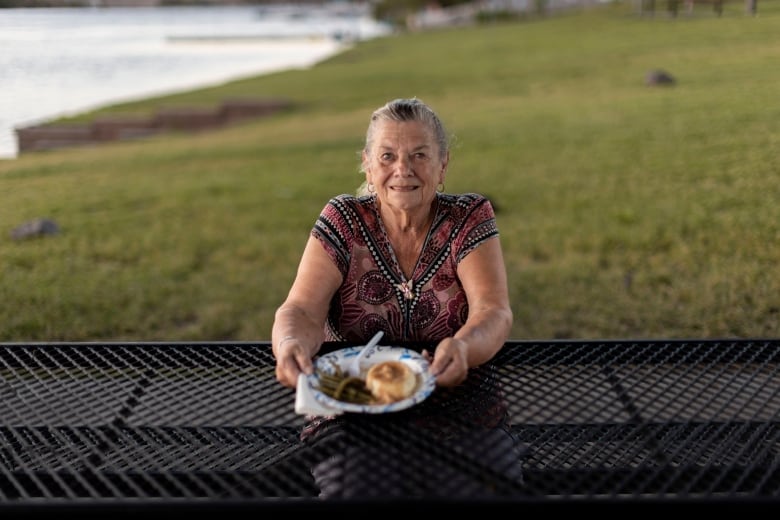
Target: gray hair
{"type": "Point", "coordinates": [411, 109]}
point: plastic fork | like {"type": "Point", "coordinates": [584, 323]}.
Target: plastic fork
{"type": "Point", "coordinates": [353, 369]}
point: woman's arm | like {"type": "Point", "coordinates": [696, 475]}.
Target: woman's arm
{"type": "Point", "coordinates": [299, 323]}
{"type": "Point", "coordinates": [483, 275]}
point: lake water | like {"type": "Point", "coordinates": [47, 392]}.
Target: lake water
{"type": "Point", "coordinates": [56, 62]}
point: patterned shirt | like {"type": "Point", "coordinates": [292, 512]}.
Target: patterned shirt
{"type": "Point", "coordinates": [374, 294]}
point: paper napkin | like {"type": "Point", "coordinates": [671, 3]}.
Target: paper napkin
{"type": "Point", "coordinates": [307, 404]}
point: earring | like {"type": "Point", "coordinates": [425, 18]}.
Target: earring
{"type": "Point", "coordinates": [440, 190]}
{"type": "Point", "coordinates": [370, 187]}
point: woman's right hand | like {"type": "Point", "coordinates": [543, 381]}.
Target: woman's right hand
{"type": "Point", "coordinates": [292, 359]}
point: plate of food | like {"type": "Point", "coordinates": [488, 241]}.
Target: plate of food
{"type": "Point", "coordinates": [389, 380]}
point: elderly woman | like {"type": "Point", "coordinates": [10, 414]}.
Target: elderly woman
{"type": "Point", "coordinates": [404, 258]}
{"type": "Point", "coordinates": [420, 265]}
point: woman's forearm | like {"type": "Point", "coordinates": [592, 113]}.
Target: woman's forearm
{"type": "Point", "coordinates": [485, 332]}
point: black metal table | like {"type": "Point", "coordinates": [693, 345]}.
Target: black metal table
{"type": "Point", "coordinates": [94, 426]}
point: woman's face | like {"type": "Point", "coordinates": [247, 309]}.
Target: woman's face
{"type": "Point", "coordinates": [404, 165]}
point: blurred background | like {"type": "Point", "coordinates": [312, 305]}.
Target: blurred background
{"type": "Point", "coordinates": [161, 163]}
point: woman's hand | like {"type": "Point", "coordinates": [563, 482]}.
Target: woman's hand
{"type": "Point", "coordinates": [292, 359]}
{"type": "Point", "coordinates": [449, 363]}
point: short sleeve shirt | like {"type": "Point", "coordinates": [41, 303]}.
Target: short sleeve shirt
{"type": "Point", "coordinates": [374, 294]}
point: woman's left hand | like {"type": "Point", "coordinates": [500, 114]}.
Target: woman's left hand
{"type": "Point", "coordinates": [449, 363]}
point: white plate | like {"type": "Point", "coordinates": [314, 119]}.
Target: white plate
{"type": "Point", "coordinates": [339, 359]}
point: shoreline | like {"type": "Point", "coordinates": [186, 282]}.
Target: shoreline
{"type": "Point", "coordinates": [63, 63]}
{"type": "Point", "coordinates": [328, 48]}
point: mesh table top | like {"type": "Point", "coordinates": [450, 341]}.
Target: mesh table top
{"type": "Point", "coordinates": [91, 424]}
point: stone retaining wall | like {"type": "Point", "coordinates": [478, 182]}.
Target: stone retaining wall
{"type": "Point", "coordinates": [115, 128]}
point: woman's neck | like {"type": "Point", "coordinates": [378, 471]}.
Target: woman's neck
{"type": "Point", "coordinates": [406, 222]}
{"type": "Point", "coordinates": [407, 233]}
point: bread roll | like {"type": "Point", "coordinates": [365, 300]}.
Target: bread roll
{"type": "Point", "coordinates": [390, 381]}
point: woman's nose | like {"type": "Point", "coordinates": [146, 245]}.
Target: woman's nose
{"type": "Point", "coordinates": [405, 167]}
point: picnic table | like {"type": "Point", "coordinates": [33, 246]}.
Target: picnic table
{"type": "Point", "coordinates": [198, 426]}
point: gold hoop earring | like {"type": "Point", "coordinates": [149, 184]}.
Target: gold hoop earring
{"type": "Point", "coordinates": [370, 187]}
{"type": "Point", "coordinates": [442, 187]}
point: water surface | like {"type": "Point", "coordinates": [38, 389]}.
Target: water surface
{"type": "Point", "coordinates": [60, 61]}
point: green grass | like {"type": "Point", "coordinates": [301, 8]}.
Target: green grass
{"type": "Point", "coordinates": [626, 211]}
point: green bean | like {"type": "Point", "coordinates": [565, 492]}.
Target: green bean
{"type": "Point", "coordinates": [349, 386]}
{"type": "Point", "coordinates": [347, 389]}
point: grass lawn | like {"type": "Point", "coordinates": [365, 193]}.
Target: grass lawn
{"type": "Point", "coordinates": [626, 211]}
